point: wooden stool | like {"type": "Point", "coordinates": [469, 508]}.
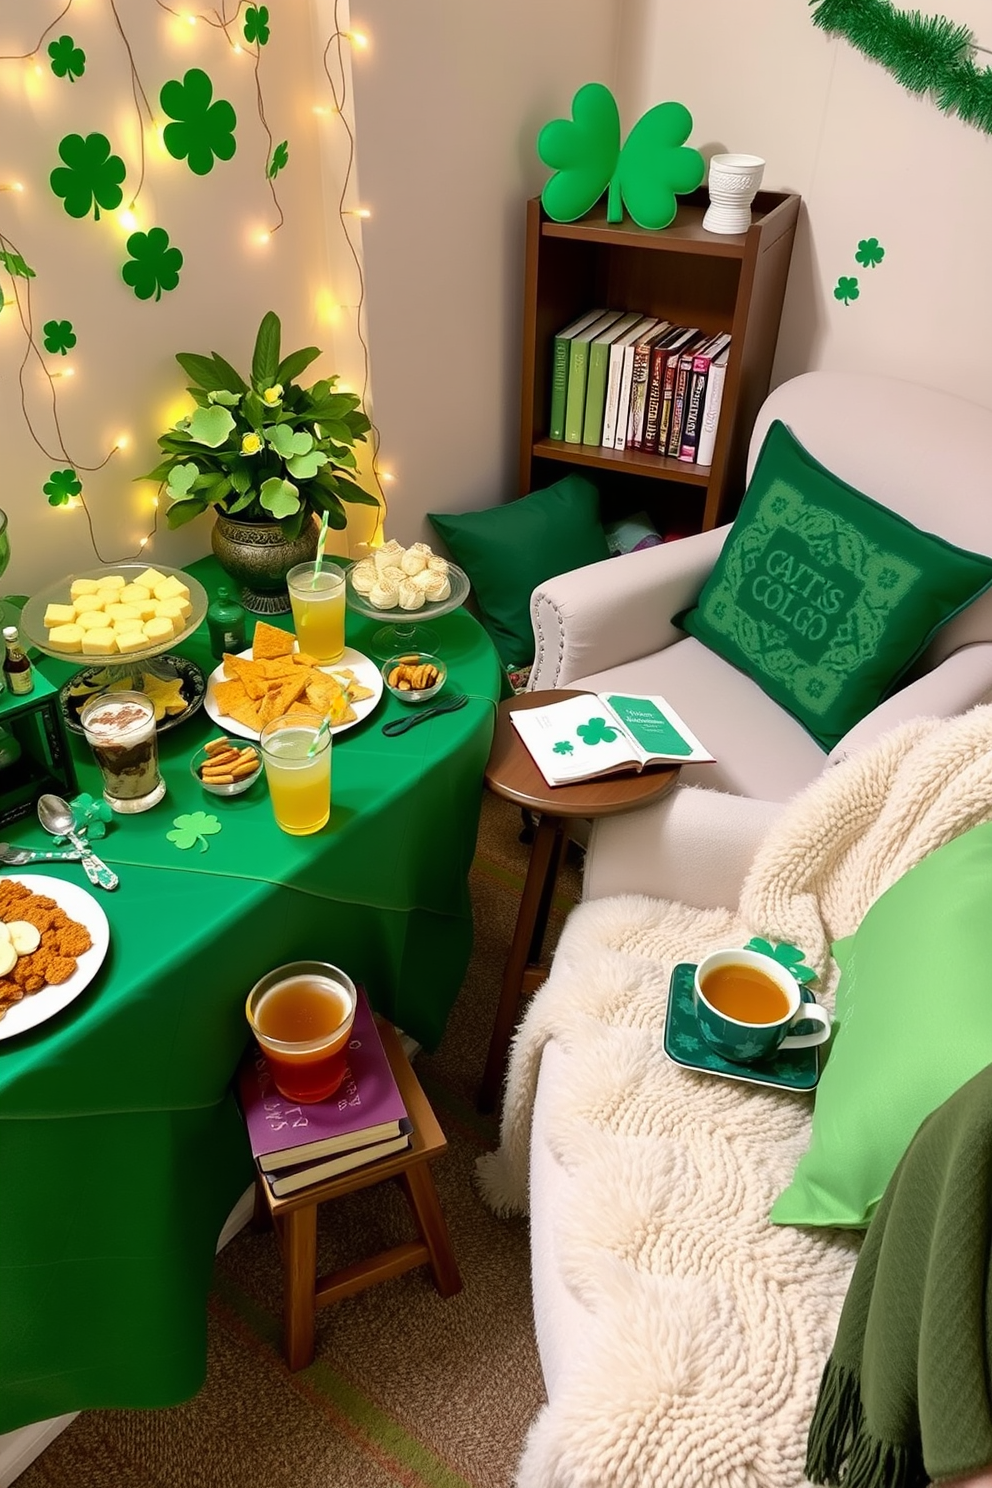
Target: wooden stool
{"type": "Point", "coordinates": [294, 1218]}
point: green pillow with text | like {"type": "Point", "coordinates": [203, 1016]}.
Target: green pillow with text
{"type": "Point", "coordinates": [823, 596]}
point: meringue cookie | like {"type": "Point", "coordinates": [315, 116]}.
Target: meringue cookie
{"type": "Point", "coordinates": [438, 588]}
{"type": "Point", "coordinates": [390, 579]}
{"type": "Point", "coordinates": [437, 565]}
{"type": "Point", "coordinates": [413, 562]}
{"type": "Point", "coordinates": [410, 597]}
{"type": "Point", "coordinates": [423, 579]}
{"type": "Point", "coordinates": [363, 576]}
{"type": "Point", "coordinates": [383, 599]}
{"type": "Point", "coordinates": [389, 555]}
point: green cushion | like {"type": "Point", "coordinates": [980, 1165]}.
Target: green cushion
{"type": "Point", "coordinates": [824, 597]}
{"type": "Point", "coordinates": [508, 550]}
{"type": "Point", "coordinates": [914, 1008]}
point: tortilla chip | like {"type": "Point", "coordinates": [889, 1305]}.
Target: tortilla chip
{"type": "Point", "coordinates": [269, 641]}
{"type": "Point", "coordinates": [228, 694]}
{"type": "Point", "coordinates": [290, 692]}
{"type": "Point", "coordinates": [302, 659]}
{"type": "Point", "coordinates": [357, 692]}
{"type": "Point", "coordinates": [304, 712]}
{"type": "Point", "coordinates": [280, 667]}
{"type": "Point", "coordinates": [246, 713]}
{"type": "Point", "coordinates": [250, 674]}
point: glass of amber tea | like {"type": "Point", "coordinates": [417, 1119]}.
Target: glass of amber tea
{"type": "Point", "coordinates": [301, 1014]}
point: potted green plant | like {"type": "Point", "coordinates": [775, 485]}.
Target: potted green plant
{"type": "Point", "coordinates": [268, 456]}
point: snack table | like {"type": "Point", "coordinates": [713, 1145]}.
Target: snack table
{"type": "Point", "coordinates": [121, 1148]}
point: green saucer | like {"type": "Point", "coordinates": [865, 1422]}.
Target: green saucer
{"type": "Point", "coordinates": [791, 1069]}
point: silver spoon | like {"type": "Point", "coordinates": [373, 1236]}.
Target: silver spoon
{"type": "Point", "coordinates": [18, 855]}
{"type": "Point", "coordinates": [56, 817]}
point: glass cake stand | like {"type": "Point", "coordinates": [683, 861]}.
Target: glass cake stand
{"type": "Point", "coordinates": [408, 630]}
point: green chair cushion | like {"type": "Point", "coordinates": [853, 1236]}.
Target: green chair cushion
{"type": "Point", "coordinates": [823, 596]}
{"type": "Point", "coordinates": [508, 550]}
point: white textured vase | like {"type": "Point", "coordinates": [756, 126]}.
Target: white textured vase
{"type": "Point", "coordinates": [733, 181]}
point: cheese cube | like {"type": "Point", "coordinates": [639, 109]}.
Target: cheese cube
{"type": "Point", "coordinates": [107, 597]}
{"type": "Point", "coordinates": [149, 579]}
{"type": "Point", "coordinates": [116, 612]}
{"type": "Point", "coordinates": [56, 614]}
{"type": "Point", "coordinates": [92, 620]}
{"type": "Point", "coordinates": [130, 640]}
{"type": "Point", "coordinates": [158, 629]}
{"type": "Point", "coordinates": [146, 608]}
{"type": "Point", "coordinates": [101, 642]}
{"type": "Point", "coordinates": [131, 593]}
{"type": "Point", "coordinates": [66, 638]}
{"type": "Point", "coordinates": [82, 586]}
{"type": "Point", "coordinates": [111, 581]}
{"type": "Point", "coordinates": [173, 608]}
{"type": "Point", "coordinates": [84, 602]}
{"type": "Point", "coordinates": [171, 588]}
{"type": "Point", "coordinates": [174, 620]}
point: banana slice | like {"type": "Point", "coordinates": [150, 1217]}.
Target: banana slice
{"type": "Point", "coordinates": [8, 957]}
{"type": "Point", "coordinates": [24, 937]}
{"type": "Point", "coordinates": [4, 934]}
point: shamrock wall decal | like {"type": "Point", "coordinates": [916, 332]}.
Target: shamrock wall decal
{"type": "Point", "coordinates": [279, 161]}
{"type": "Point", "coordinates": [257, 24]}
{"type": "Point", "coordinates": [596, 731]}
{"type": "Point", "coordinates": [68, 60]}
{"type": "Point", "coordinates": [153, 265]}
{"type": "Point", "coordinates": [193, 828]}
{"type": "Point", "coordinates": [846, 289]}
{"type": "Point", "coordinates": [644, 174]}
{"type": "Point", "coordinates": [204, 129]}
{"type": "Point", "coordinates": [870, 253]}
{"type": "Point", "coordinates": [61, 486]}
{"type": "Point", "coordinates": [91, 176]}
{"type": "Point", "coordinates": [59, 336]}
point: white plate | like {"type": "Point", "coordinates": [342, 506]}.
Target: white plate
{"type": "Point", "coordinates": [79, 904]}
{"type": "Point", "coordinates": [366, 673]}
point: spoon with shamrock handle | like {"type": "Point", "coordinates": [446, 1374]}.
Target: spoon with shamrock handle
{"type": "Point", "coordinates": [56, 817]}
{"type": "Point", "coordinates": [19, 855]}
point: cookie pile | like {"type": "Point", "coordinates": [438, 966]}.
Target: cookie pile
{"type": "Point", "coordinates": [39, 943]}
{"type": "Point", "coordinates": [398, 578]}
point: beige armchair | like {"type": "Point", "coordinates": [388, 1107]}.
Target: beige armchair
{"type": "Point", "coordinates": [925, 454]}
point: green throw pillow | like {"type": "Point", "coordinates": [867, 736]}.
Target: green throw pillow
{"type": "Point", "coordinates": [914, 1009]}
{"type": "Point", "coordinates": [508, 550]}
{"type": "Point", "coordinates": [824, 597]}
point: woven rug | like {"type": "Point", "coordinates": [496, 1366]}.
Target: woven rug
{"type": "Point", "coordinates": [406, 1389]}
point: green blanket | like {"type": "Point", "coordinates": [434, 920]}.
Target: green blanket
{"type": "Point", "coordinates": [906, 1396]}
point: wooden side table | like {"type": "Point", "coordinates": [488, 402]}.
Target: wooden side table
{"type": "Point", "coordinates": [294, 1218]}
{"type": "Point", "coordinates": [512, 774]}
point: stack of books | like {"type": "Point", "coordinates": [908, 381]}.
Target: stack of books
{"type": "Point", "coordinates": [298, 1145]}
{"type": "Point", "coordinates": [623, 380]}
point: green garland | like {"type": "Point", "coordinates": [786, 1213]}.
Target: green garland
{"type": "Point", "coordinates": [926, 54]}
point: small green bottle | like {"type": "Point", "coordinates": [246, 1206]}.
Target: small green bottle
{"type": "Point", "coordinates": [226, 623]}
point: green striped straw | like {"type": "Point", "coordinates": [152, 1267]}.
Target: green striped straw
{"type": "Point", "coordinates": [319, 737]}
{"type": "Point", "coordinates": [320, 550]}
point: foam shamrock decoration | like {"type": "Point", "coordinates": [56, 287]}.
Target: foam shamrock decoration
{"type": "Point", "coordinates": [870, 253]}
{"type": "Point", "coordinates": [644, 174]}
{"type": "Point", "coordinates": [59, 336]}
{"type": "Point", "coordinates": [596, 731]}
{"type": "Point", "coordinates": [90, 177]}
{"type": "Point", "coordinates": [61, 486]}
{"type": "Point", "coordinates": [789, 956]}
{"type": "Point", "coordinates": [280, 159]}
{"type": "Point", "coordinates": [154, 265]}
{"type": "Point", "coordinates": [846, 289]}
{"type": "Point", "coordinates": [195, 827]}
{"type": "Point", "coordinates": [204, 129]}
{"type": "Point", "coordinates": [68, 60]}
{"type": "Point", "coordinates": [257, 24]}
{"type": "Point", "coordinates": [15, 265]}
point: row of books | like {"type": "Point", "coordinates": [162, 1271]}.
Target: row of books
{"type": "Point", "coordinates": [623, 380]}
{"type": "Point", "coordinates": [299, 1145]}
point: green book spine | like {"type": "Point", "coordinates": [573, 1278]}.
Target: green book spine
{"type": "Point", "coordinates": [575, 395]}
{"type": "Point", "coordinates": [559, 385]}
{"type": "Point", "coordinates": [599, 366]}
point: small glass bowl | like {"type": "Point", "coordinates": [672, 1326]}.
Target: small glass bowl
{"type": "Point", "coordinates": [414, 659]}
{"type": "Point", "coordinates": [235, 789]}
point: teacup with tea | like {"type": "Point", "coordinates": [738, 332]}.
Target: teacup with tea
{"type": "Point", "coordinates": [747, 1002]}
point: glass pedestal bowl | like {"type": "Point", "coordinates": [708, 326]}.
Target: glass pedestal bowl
{"type": "Point", "coordinates": [408, 630]}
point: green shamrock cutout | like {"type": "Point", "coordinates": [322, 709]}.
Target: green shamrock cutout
{"type": "Point", "coordinates": [59, 336]}
{"type": "Point", "coordinates": [61, 486]}
{"type": "Point", "coordinates": [204, 129]}
{"type": "Point", "coordinates": [153, 266]}
{"type": "Point", "coordinates": [870, 253]}
{"type": "Point", "coordinates": [210, 426]}
{"type": "Point", "coordinates": [257, 24]}
{"type": "Point", "coordinates": [91, 176]}
{"type": "Point", "coordinates": [279, 161]}
{"type": "Point", "coordinates": [195, 827]}
{"type": "Point", "coordinates": [15, 265]}
{"type": "Point", "coordinates": [181, 478]}
{"type": "Point", "coordinates": [846, 289]}
{"type": "Point", "coordinates": [90, 816]}
{"type": "Point", "coordinates": [280, 497]}
{"type": "Point", "coordinates": [596, 731]}
{"type": "Point", "coordinates": [789, 956]}
{"type": "Point", "coordinates": [564, 746]}
{"type": "Point", "coordinates": [68, 60]}
{"type": "Point", "coordinates": [644, 174]}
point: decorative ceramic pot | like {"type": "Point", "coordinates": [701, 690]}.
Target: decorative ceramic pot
{"type": "Point", "coordinates": [733, 183]}
{"type": "Point", "coordinates": [258, 557]}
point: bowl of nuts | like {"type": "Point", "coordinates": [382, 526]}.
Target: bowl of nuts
{"type": "Point", "coordinates": [414, 677]}
{"type": "Point", "coordinates": [225, 769]}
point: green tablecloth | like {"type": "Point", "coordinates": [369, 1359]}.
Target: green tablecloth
{"type": "Point", "coordinates": [121, 1150]}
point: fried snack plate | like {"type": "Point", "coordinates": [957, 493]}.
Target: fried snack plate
{"type": "Point", "coordinates": [366, 673]}
{"type": "Point", "coordinates": [79, 904]}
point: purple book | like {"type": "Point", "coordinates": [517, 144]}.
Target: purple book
{"type": "Point", "coordinates": [365, 1109]}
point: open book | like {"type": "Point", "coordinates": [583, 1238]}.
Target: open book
{"type": "Point", "coordinates": [596, 734]}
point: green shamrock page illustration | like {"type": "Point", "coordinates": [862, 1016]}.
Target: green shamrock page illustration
{"type": "Point", "coordinates": [846, 289]}
{"type": "Point", "coordinates": [279, 161]}
{"type": "Point", "coordinates": [153, 265]}
{"type": "Point", "coordinates": [564, 746]}
{"type": "Point", "coordinates": [870, 253]}
{"type": "Point", "coordinates": [61, 486]}
{"type": "Point", "coordinates": [204, 129]}
{"type": "Point", "coordinates": [59, 336]}
{"type": "Point", "coordinates": [194, 828]}
{"type": "Point", "coordinates": [91, 176]}
{"type": "Point", "coordinates": [596, 731]}
{"type": "Point", "coordinates": [787, 955]}
{"type": "Point", "coordinates": [645, 174]}
{"type": "Point", "coordinates": [257, 25]}
{"type": "Point", "coordinates": [68, 60]}
{"type": "Point", "coordinates": [14, 264]}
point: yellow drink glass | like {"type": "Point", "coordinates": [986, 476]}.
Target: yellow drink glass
{"type": "Point", "coordinates": [318, 610]}
{"type": "Point", "coordinates": [299, 783]}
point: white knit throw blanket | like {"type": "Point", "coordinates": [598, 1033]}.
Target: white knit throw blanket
{"type": "Point", "coordinates": [708, 1326]}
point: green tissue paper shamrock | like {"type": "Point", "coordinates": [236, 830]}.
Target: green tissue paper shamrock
{"type": "Point", "coordinates": [153, 265]}
{"type": "Point", "coordinates": [204, 129]}
{"type": "Point", "coordinates": [59, 336]}
{"type": "Point", "coordinates": [789, 956]}
{"type": "Point", "coordinates": [596, 731]}
{"type": "Point", "coordinates": [257, 24]}
{"type": "Point", "coordinates": [644, 174]}
{"type": "Point", "coordinates": [91, 176]}
{"type": "Point", "coordinates": [61, 486]}
{"type": "Point", "coordinates": [846, 289]}
{"type": "Point", "coordinates": [870, 253]}
{"type": "Point", "coordinates": [194, 828]}
{"type": "Point", "coordinates": [68, 60]}
{"type": "Point", "coordinates": [280, 159]}
{"type": "Point", "coordinates": [14, 264]}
